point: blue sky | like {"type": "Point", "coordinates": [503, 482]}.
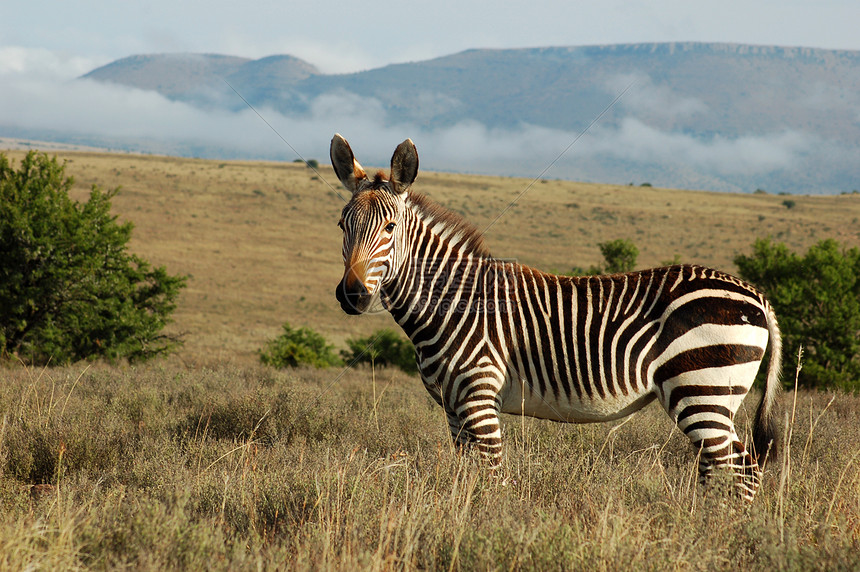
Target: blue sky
{"type": "Point", "coordinates": [342, 36]}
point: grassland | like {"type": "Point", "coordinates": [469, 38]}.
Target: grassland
{"type": "Point", "coordinates": [211, 461]}
{"type": "Point", "coordinates": [260, 244]}
{"type": "Point", "coordinates": [239, 468]}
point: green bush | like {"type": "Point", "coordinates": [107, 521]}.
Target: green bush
{"type": "Point", "coordinates": [817, 302]}
{"type": "Point", "coordinates": [384, 348]}
{"type": "Point", "coordinates": [69, 290]}
{"type": "Point", "coordinates": [619, 256]}
{"type": "Point", "coordinates": [295, 347]}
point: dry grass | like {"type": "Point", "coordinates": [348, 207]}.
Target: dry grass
{"type": "Point", "coordinates": [260, 243]}
{"type": "Point", "coordinates": [210, 461]}
{"type": "Point", "coordinates": [245, 467]}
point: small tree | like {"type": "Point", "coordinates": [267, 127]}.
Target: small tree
{"type": "Point", "coordinates": [619, 255]}
{"type": "Point", "coordinates": [69, 289]}
{"type": "Point", "coordinates": [817, 301]}
{"type": "Point", "coordinates": [384, 348]}
{"type": "Point", "coordinates": [295, 347]}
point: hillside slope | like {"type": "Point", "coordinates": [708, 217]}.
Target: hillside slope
{"type": "Point", "coordinates": [729, 89]}
{"type": "Point", "coordinates": [716, 116]}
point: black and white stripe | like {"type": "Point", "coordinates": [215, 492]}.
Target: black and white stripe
{"type": "Point", "coordinates": [493, 336]}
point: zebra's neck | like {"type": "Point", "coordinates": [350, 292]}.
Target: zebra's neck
{"type": "Point", "coordinates": [441, 267]}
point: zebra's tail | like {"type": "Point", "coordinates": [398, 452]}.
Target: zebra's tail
{"type": "Point", "coordinates": [764, 427]}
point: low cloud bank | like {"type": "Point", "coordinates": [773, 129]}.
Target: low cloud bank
{"type": "Point", "coordinates": [40, 94]}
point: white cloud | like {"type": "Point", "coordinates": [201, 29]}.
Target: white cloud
{"type": "Point", "coordinates": [634, 140]}
{"type": "Point", "coordinates": [647, 99]}
{"type": "Point", "coordinates": [41, 63]}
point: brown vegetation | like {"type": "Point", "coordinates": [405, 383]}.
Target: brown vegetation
{"type": "Point", "coordinates": [260, 242]}
{"type": "Point", "coordinates": [212, 461]}
{"type": "Point", "coordinates": [233, 468]}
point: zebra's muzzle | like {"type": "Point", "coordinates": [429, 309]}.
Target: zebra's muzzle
{"type": "Point", "coordinates": [354, 299]}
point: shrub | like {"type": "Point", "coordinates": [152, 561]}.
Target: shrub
{"type": "Point", "coordinates": [619, 255]}
{"type": "Point", "coordinates": [675, 260]}
{"type": "Point", "coordinates": [383, 348]}
{"type": "Point", "coordinates": [295, 347]}
{"type": "Point", "coordinates": [817, 301]}
{"type": "Point", "coordinates": [69, 290]}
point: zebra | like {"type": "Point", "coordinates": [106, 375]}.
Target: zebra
{"type": "Point", "coordinates": [492, 336]}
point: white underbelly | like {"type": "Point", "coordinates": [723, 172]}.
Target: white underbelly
{"type": "Point", "coordinates": [519, 399]}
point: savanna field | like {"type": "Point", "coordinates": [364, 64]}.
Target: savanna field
{"type": "Point", "coordinates": [210, 460]}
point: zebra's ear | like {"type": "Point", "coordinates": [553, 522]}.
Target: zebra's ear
{"type": "Point", "coordinates": [347, 169]}
{"type": "Point", "coordinates": [404, 166]}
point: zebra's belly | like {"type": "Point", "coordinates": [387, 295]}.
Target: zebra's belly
{"type": "Point", "coordinates": [524, 400]}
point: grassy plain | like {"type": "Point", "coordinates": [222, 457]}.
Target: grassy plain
{"type": "Point", "coordinates": [211, 461]}
{"type": "Point", "coordinates": [241, 468]}
{"type": "Point", "coordinates": [260, 244]}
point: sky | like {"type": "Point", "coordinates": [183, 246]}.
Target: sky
{"type": "Point", "coordinates": [46, 45]}
{"type": "Point", "coordinates": [339, 36]}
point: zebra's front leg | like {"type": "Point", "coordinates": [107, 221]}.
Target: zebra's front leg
{"type": "Point", "coordinates": [475, 427]}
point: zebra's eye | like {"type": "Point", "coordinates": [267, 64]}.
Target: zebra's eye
{"type": "Point", "coordinates": [390, 227]}
{"type": "Point", "coordinates": [340, 224]}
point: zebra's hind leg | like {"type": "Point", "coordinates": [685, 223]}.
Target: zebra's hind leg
{"type": "Point", "coordinates": [728, 451]}
{"type": "Point", "coordinates": [703, 403]}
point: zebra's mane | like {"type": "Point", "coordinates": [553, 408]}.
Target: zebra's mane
{"type": "Point", "coordinates": [472, 240]}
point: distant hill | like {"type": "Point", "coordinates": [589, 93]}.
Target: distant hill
{"type": "Point", "coordinates": [172, 75]}
{"type": "Point", "coordinates": [698, 115]}
{"type": "Point", "coordinates": [196, 78]}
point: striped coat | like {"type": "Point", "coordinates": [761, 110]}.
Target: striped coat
{"type": "Point", "coordinates": [494, 336]}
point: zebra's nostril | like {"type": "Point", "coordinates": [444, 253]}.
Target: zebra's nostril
{"type": "Point", "coordinates": [354, 289]}
{"type": "Point", "coordinates": [353, 297]}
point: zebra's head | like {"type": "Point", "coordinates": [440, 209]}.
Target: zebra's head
{"type": "Point", "coordinates": [371, 222]}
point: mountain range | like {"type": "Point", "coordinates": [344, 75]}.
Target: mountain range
{"type": "Point", "coordinates": [699, 115]}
